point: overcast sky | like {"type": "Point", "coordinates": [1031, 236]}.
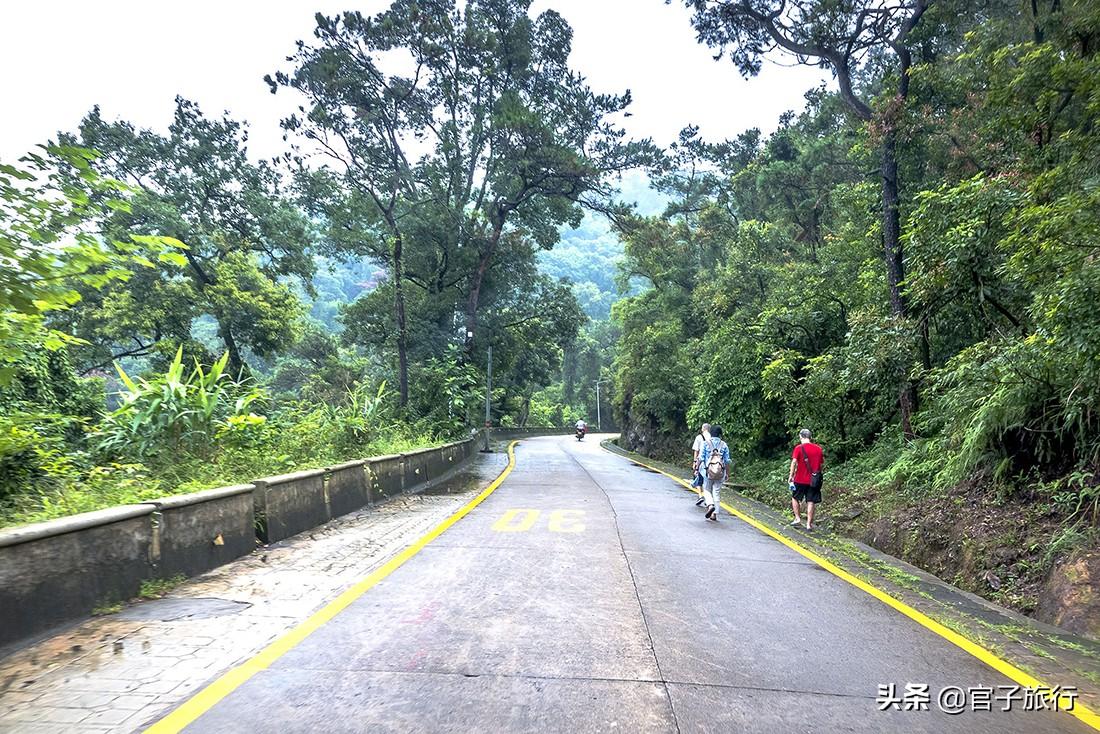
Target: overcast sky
{"type": "Point", "coordinates": [132, 57]}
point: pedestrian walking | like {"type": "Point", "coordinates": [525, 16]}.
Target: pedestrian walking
{"type": "Point", "coordinates": [696, 468]}
{"type": "Point", "coordinates": [806, 474]}
{"type": "Point", "coordinates": [715, 460]}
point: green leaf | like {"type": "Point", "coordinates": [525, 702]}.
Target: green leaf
{"type": "Point", "coordinates": [173, 258]}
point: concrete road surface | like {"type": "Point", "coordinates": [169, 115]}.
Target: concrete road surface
{"type": "Point", "coordinates": [588, 594]}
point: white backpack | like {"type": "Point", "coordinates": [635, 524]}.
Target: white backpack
{"type": "Point", "coordinates": [716, 470]}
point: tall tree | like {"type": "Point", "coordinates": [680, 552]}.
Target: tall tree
{"type": "Point", "coordinates": [51, 209]}
{"type": "Point", "coordinates": [457, 125]}
{"type": "Point", "coordinates": [243, 238]}
{"type": "Point", "coordinates": [851, 39]}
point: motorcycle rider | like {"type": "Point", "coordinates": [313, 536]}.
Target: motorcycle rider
{"type": "Point", "coordinates": [582, 428]}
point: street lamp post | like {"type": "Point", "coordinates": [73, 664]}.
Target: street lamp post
{"type": "Point", "coordinates": [599, 425]}
{"type": "Point", "coordinates": [488, 395]}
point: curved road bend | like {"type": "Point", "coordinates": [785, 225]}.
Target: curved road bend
{"type": "Point", "coordinates": [588, 594]}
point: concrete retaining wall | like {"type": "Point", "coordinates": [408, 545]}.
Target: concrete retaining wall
{"type": "Point", "coordinates": [435, 463]}
{"type": "Point", "coordinates": [511, 434]}
{"type": "Point", "coordinates": [453, 454]}
{"type": "Point", "coordinates": [290, 503]}
{"type": "Point", "coordinates": [415, 466]}
{"type": "Point", "coordinates": [387, 477]}
{"type": "Point", "coordinates": [348, 488]}
{"type": "Point", "coordinates": [61, 570]}
{"type": "Point", "coordinates": [200, 531]}
{"type": "Point", "coordinates": [56, 571]}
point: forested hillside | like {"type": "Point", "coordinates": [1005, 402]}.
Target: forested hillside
{"type": "Point", "coordinates": [590, 259]}
{"type": "Point", "coordinates": [176, 314]}
{"type": "Point", "coordinates": [908, 268]}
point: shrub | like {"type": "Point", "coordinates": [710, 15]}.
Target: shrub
{"type": "Point", "coordinates": [170, 412]}
{"type": "Point", "coordinates": [33, 453]}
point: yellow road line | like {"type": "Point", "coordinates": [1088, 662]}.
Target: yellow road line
{"type": "Point", "coordinates": [1004, 667]}
{"type": "Point", "coordinates": [205, 699]}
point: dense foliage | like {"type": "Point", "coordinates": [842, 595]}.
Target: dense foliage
{"type": "Point", "coordinates": [771, 303]}
{"type": "Point", "coordinates": [455, 172]}
{"type": "Point", "coordinates": [181, 315]}
{"type": "Point", "coordinates": [243, 242]}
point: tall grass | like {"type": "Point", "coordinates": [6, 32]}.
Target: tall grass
{"type": "Point", "coordinates": [183, 431]}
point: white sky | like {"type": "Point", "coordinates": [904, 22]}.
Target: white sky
{"type": "Point", "coordinates": [132, 57]}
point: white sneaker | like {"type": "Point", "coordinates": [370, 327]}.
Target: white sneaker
{"type": "Point", "coordinates": [795, 523]}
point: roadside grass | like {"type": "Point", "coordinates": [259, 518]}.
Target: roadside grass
{"type": "Point", "coordinates": [998, 537]}
{"type": "Point", "coordinates": [149, 589]}
{"type": "Point", "coordinates": [159, 588]}
{"type": "Point", "coordinates": [1038, 650]}
{"type": "Point", "coordinates": [105, 609]}
{"type": "Point", "coordinates": [1091, 653]}
{"type": "Point", "coordinates": [111, 485]}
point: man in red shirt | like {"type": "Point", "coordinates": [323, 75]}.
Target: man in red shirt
{"type": "Point", "coordinates": [807, 468]}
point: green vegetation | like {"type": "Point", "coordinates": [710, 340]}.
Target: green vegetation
{"type": "Point", "coordinates": [244, 244]}
{"type": "Point", "coordinates": [63, 447]}
{"type": "Point", "coordinates": [157, 588]}
{"type": "Point", "coordinates": [907, 267]}
{"type": "Point", "coordinates": [175, 315]}
{"type": "Point", "coordinates": [105, 609]}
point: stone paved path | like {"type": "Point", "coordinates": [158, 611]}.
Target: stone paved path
{"type": "Point", "coordinates": [118, 672]}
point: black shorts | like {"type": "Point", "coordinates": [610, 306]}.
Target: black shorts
{"type": "Point", "coordinates": [806, 492]}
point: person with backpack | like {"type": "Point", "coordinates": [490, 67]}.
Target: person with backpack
{"type": "Point", "coordinates": [696, 454]}
{"type": "Point", "coordinates": [715, 460]}
{"type": "Point", "coordinates": [806, 474]}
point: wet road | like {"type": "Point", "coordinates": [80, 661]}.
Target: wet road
{"type": "Point", "coordinates": [588, 594]}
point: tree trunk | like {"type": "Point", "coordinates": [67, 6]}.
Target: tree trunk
{"type": "Point", "coordinates": [399, 318]}
{"type": "Point", "coordinates": [906, 397]}
{"type": "Point", "coordinates": [925, 345]}
{"type": "Point", "coordinates": [236, 363]}
{"type": "Point", "coordinates": [472, 301]}
{"type": "Point", "coordinates": [895, 267]}
{"type": "Point", "coordinates": [891, 223]}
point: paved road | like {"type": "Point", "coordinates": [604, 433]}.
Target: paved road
{"type": "Point", "coordinates": [588, 594]}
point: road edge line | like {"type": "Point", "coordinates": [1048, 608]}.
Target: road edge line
{"type": "Point", "coordinates": [191, 709]}
{"type": "Point", "coordinates": [1080, 711]}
